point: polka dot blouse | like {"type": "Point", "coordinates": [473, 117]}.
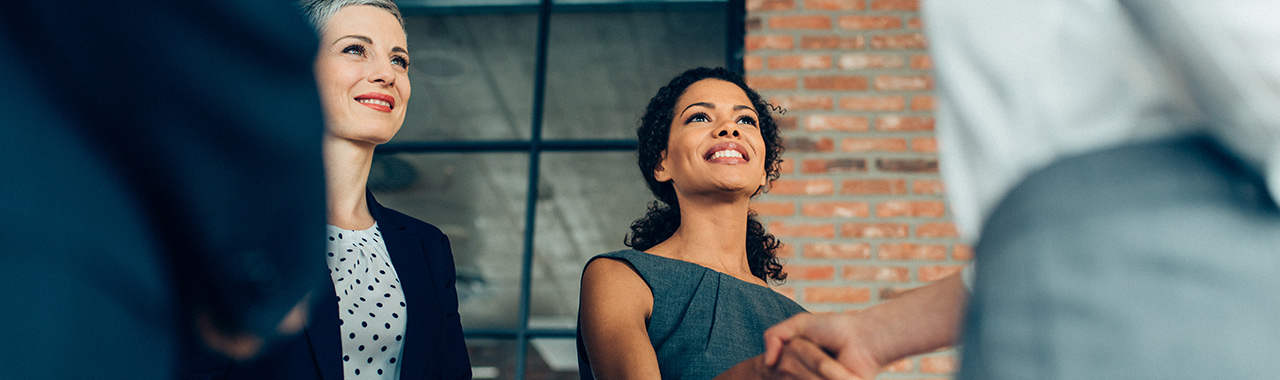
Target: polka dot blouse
{"type": "Point", "coordinates": [371, 304]}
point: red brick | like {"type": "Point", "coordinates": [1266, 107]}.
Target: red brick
{"type": "Point", "coordinates": [809, 144]}
{"type": "Point", "coordinates": [915, 23]}
{"type": "Point", "coordinates": [785, 251]}
{"type": "Point", "coordinates": [859, 22]}
{"type": "Point", "coordinates": [927, 186]}
{"type": "Point", "coordinates": [806, 61]}
{"type": "Point", "coordinates": [908, 41]}
{"type": "Point", "coordinates": [936, 230]}
{"type": "Point", "coordinates": [810, 272]}
{"type": "Point", "coordinates": [909, 251]}
{"type": "Point", "coordinates": [837, 251]}
{"type": "Point", "coordinates": [832, 42]}
{"type": "Point", "coordinates": [928, 209]}
{"type": "Point", "coordinates": [873, 186]}
{"type": "Point", "coordinates": [802, 187]}
{"type": "Point", "coordinates": [770, 5]}
{"type": "Point", "coordinates": [874, 230]}
{"type": "Point", "coordinates": [876, 273]}
{"type": "Point", "coordinates": [924, 144]}
{"type": "Point", "coordinates": [922, 103]}
{"type": "Point", "coordinates": [840, 294]}
{"type": "Point", "coordinates": [754, 23]}
{"type": "Point", "coordinates": [873, 103]}
{"type": "Point", "coordinates": [771, 42]}
{"type": "Point", "coordinates": [787, 167]}
{"type": "Point", "coordinates": [907, 165]}
{"type": "Point", "coordinates": [922, 62]}
{"type": "Point", "coordinates": [836, 209]}
{"type": "Point", "coordinates": [772, 82]}
{"type": "Point", "coordinates": [937, 272]}
{"type": "Point", "coordinates": [938, 364]}
{"type": "Point", "coordinates": [834, 5]}
{"type": "Point", "coordinates": [814, 166]}
{"type": "Point", "coordinates": [802, 102]}
{"type": "Point", "coordinates": [859, 61]}
{"type": "Point", "coordinates": [800, 22]}
{"type": "Point", "coordinates": [836, 82]}
{"type": "Point", "coordinates": [904, 82]}
{"type": "Point", "coordinates": [786, 123]}
{"type": "Point", "coordinates": [904, 123]}
{"type": "Point", "coordinates": [904, 365]}
{"type": "Point", "coordinates": [774, 208]}
{"type": "Point", "coordinates": [837, 123]}
{"type": "Point", "coordinates": [797, 230]}
{"type": "Point", "coordinates": [895, 5]}
{"type": "Point", "coordinates": [963, 252]}
{"type": "Point", "coordinates": [873, 145]}
{"type": "Point", "coordinates": [752, 63]}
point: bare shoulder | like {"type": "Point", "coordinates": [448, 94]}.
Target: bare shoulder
{"type": "Point", "coordinates": [613, 284]}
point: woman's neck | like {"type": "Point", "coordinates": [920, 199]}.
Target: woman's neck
{"type": "Point", "coordinates": [712, 234]}
{"type": "Point", "coordinates": [346, 171]}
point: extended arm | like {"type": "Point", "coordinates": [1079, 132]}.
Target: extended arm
{"type": "Point", "coordinates": [919, 321]}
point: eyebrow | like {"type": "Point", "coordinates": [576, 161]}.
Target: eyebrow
{"type": "Point", "coordinates": [713, 106]}
{"type": "Point", "coordinates": [368, 40]}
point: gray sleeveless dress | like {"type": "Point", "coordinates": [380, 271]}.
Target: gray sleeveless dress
{"type": "Point", "coordinates": [703, 321]}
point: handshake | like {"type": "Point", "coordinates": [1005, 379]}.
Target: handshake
{"type": "Point", "coordinates": [857, 345]}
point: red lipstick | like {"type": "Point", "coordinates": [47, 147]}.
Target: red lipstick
{"type": "Point", "coordinates": [378, 101]}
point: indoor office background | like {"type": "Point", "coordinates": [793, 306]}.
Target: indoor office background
{"type": "Point", "coordinates": [524, 112]}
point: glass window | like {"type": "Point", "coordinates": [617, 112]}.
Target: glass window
{"type": "Point", "coordinates": [495, 140]}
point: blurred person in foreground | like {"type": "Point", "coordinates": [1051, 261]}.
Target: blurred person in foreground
{"type": "Point", "coordinates": [691, 298]}
{"type": "Point", "coordinates": [162, 178]}
{"type": "Point", "coordinates": [390, 310]}
{"type": "Point", "coordinates": [1117, 164]}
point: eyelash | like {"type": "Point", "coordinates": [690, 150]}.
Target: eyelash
{"type": "Point", "coordinates": [749, 120]}
{"type": "Point", "coordinates": [359, 49]}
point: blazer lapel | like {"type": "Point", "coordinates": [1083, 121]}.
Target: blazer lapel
{"type": "Point", "coordinates": [405, 247]}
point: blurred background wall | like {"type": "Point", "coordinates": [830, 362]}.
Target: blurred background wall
{"type": "Point", "coordinates": [523, 115]}
{"type": "Point", "coordinates": [862, 205]}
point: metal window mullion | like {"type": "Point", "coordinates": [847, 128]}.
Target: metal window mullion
{"type": "Point", "coordinates": [531, 196]}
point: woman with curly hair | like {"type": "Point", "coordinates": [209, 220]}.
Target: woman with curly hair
{"type": "Point", "coordinates": [691, 299]}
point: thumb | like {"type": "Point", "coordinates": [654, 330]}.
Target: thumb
{"type": "Point", "coordinates": [777, 336]}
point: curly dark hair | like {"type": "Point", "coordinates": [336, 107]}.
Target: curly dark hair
{"type": "Point", "coordinates": [663, 216]}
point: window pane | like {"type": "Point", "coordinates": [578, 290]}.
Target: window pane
{"type": "Point", "coordinates": [478, 200]}
{"type": "Point", "coordinates": [588, 201]}
{"type": "Point", "coordinates": [548, 359]}
{"type": "Point", "coordinates": [602, 67]}
{"type": "Point", "coordinates": [472, 77]}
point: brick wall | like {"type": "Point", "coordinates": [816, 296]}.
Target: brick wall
{"type": "Point", "coordinates": [860, 204]}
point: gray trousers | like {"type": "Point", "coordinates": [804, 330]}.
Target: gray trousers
{"type": "Point", "coordinates": [1152, 261]}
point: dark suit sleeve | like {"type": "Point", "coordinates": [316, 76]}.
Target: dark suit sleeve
{"type": "Point", "coordinates": [209, 111]}
{"type": "Point", "coordinates": [457, 364]}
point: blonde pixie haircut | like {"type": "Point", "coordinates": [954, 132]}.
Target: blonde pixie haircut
{"type": "Point", "coordinates": [319, 12]}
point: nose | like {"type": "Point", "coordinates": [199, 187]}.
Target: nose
{"type": "Point", "coordinates": [383, 74]}
{"type": "Point", "coordinates": [726, 130]}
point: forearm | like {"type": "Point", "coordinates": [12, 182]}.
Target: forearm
{"type": "Point", "coordinates": [916, 322]}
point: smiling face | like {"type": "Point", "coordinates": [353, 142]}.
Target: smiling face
{"type": "Point", "coordinates": [715, 145]}
{"type": "Point", "coordinates": [362, 74]}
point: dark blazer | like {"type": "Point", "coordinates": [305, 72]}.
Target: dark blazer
{"type": "Point", "coordinates": [155, 155]}
{"type": "Point", "coordinates": [433, 346]}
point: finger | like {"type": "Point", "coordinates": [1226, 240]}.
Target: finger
{"type": "Point", "coordinates": [815, 361]}
{"type": "Point", "coordinates": [778, 335]}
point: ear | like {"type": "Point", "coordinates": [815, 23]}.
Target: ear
{"type": "Point", "coordinates": [660, 171]}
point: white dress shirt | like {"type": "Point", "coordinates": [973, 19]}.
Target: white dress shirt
{"type": "Point", "coordinates": [1023, 83]}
